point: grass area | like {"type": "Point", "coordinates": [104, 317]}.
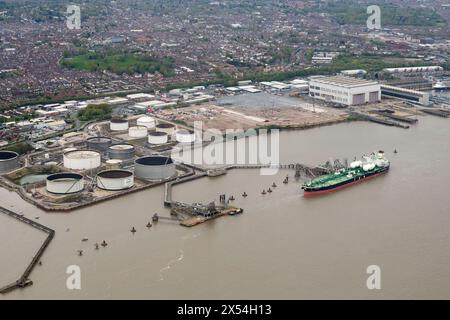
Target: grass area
{"type": "Point", "coordinates": [120, 63]}
{"type": "Point", "coordinates": [95, 112]}
{"type": "Point", "coordinates": [349, 12]}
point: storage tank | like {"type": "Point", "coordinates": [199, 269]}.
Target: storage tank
{"type": "Point", "coordinates": [115, 180]}
{"type": "Point", "coordinates": [154, 168]}
{"type": "Point", "coordinates": [113, 164]}
{"type": "Point", "coordinates": [157, 137]}
{"type": "Point", "coordinates": [138, 132]}
{"type": "Point", "coordinates": [121, 151]}
{"type": "Point", "coordinates": [118, 124]}
{"type": "Point", "coordinates": [9, 161]}
{"type": "Point", "coordinates": [65, 183]}
{"type": "Point", "coordinates": [185, 136]}
{"type": "Point", "coordinates": [82, 159]}
{"type": "Point", "coordinates": [100, 144]}
{"type": "Point", "coordinates": [69, 149]}
{"type": "Point", "coordinates": [147, 122]}
{"type": "Point", "coordinates": [167, 128]}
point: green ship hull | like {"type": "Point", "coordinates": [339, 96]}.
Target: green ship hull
{"type": "Point", "coordinates": [357, 172]}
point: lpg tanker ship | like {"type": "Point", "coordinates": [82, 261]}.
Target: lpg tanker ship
{"type": "Point", "coordinates": [358, 171]}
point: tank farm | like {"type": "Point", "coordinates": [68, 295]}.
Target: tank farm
{"type": "Point", "coordinates": [126, 155]}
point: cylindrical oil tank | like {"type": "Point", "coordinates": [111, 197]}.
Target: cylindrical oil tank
{"type": "Point", "coordinates": [118, 124]}
{"type": "Point", "coordinates": [65, 183]}
{"type": "Point", "coordinates": [9, 161]}
{"type": "Point", "coordinates": [113, 164]}
{"type": "Point", "coordinates": [99, 143]}
{"type": "Point", "coordinates": [121, 151]}
{"type": "Point", "coordinates": [154, 168]}
{"type": "Point", "coordinates": [115, 180]}
{"type": "Point", "coordinates": [138, 132]}
{"type": "Point", "coordinates": [82, 159]}
{"type": "Point", "coordinates": [147, 122]}
{"type": "Point", "coordinates": [157, 137]}
{"type": "Point", "coordinates": [69, 149]}
{"type": "Point", "coordinates": [185, 136]}
{"type": "Point", "coordinates": [166, 127]}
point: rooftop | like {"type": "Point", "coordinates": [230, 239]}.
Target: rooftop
{"type": "Point", "coordinates": [342, 81]}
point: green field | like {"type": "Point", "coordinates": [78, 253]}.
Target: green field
{"type": "Point", "coordinates": [120, 63]}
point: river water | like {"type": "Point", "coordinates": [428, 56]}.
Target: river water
{"type": "Point", "coordinates": [284, 246]}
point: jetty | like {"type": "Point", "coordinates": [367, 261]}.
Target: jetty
{"type": "Point", "coordinates": [436, 112]}
{"type": "Point", "coordinates": [24, 280]}
{"type": "Point", "coordinates": [380, 119]}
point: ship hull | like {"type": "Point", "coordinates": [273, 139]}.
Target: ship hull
{"type": "Point", "coordinates": [308, 192]}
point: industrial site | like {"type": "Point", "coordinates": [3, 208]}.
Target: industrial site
{"type": "Point", "coordinates": [130, 152]}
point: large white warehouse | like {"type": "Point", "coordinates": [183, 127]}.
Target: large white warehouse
{"type": "Point", "coordinates": [345, 90]}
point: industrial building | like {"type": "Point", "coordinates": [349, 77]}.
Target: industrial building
{"type": "Point", "coordinates": [9, 161]}
{"type": "Point", "coordinates": [426, 69]}
{"type": "Point", "coordinates": [154, 168]}
{"type": "Point", "coordinates": [64, 183]}
{"type": "Point", "coordinates": [413, 96]}
{"type": "Point", "coordinates": [115, 180]}
{"type": "Point", "coordinates": [82, 159]}
{"type": "Point", "coordinates": [345, 90]}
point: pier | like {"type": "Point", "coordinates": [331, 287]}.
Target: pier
{"type": "Point", "coordinates": [24, 281]}
{"type": "Point", "coordinates": [381, 120]}
{"type": "Point", "coordinates": [398, 118]}
{"type": "Point", "coordinates": [437, 112]}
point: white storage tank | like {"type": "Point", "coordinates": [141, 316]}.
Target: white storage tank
{"type": "Point", "coordinates": [138, 132]}
{"type": "Point", "coordinates": [115, 180]}
{"type": "Point", "coordinates": [167, 128]}
{"type": "Point", "coordinates": [118, 124]}
{"type": "Point", "coordinates": [64, 183]}
{"type": "Point", "coordinates": [157, 137]}
{"type": "Point", "coordinates": [147, 122]}
{"type": "Point", "coordinates": [185, 136]}
{"type": "Point", "coordinates": [82, 159]}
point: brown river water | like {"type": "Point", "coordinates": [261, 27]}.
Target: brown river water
{"type": "Point", "coordinates": [283, 247]}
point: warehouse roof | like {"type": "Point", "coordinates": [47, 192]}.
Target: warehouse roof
{"type": "Point", "coordinates": [347, 82]}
